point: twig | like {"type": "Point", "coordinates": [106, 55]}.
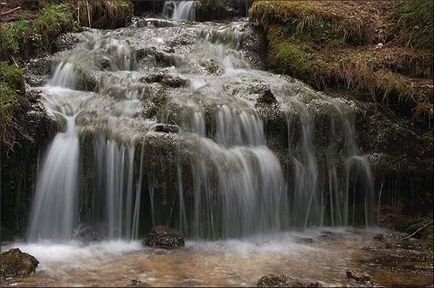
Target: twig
{"type": "Point", "coordinates": [414, 233]}
{"type": "Point", "coordinates": [10, 11]}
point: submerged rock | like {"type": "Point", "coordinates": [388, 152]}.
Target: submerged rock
{"type": "Point", "coordinates": [14, 263]}
{"type": "Point", "coordinates": [164, 237]}
{"type": "Point", "coordinates": [272, 280]}
{"type": "Point", "coordinates": [358, 277]}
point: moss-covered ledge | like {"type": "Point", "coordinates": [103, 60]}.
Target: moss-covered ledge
{"type": "Point", "coordinates": [381, 51]}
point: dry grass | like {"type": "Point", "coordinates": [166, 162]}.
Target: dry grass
{"type": "Point", "coordinates": [348, 21]}
{"type": "Point", "coordinates": [104, 13]}
{"type": "Point", "coordinates": [351, 46]}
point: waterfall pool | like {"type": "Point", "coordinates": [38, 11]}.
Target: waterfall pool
{"type": "Point", "coordinates": [315, 255]}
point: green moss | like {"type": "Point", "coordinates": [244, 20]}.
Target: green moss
{"type": "Point", "coordinates": [51, 21]}
{"type": "Point", "coordinates": [9, 43]}
{"type": "Point", "coordinates": [8, 106]}
{"type": "Point", "coordinates": [344, 46]}
{"type": "Point", "coordinates": [297, 60]}
{"type": "Point", "coordinates": [11, 89]}
{"type": "Point", "coordinates": [22, 38]}
{"type": "Point", "coordinates": [319, 21]}
{"type": "Point", "coordinates": [12, 76]}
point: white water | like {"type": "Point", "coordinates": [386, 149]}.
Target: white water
{"type": "Point", "coordinates": [217, 177]}
{"type": "Point", "coordinates": [232, 262]}
{"type": "Point", "coordinates": [180, 10]}
{"type": "Point", "coordinates": [55, 205]}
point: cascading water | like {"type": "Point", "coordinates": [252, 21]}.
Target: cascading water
{"type": "Point", "coordinates": [54, 207]}
{"type": "Point", "coordinates": [179, 10]}
{"type": "Point", "coordinates": [171, 129]}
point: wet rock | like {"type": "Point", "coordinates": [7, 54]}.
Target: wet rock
{"type": "Point", "coordinates": [87, 233]}
{"type": "Point", "coordinates": [65, 41]}
{"type": "Point", "coordinates": [156, 22]}
{"type": "Point", "coordinates": [378, 237]}
{"type": "Point", "coordinates": [37, 71]}
{"type": "Point", "coordinates": [358, 277]}
{"type": "Point", "coordinates": [304, 240]}
{"type": "Point", "coordinates": [166, 128]}
{"type": "Point", "coordinates": [207, 10]}
{"type": "Point", "coordinates": [165, 79]}
{"type": "Point", "coordinates": [14, 263]}
{"type": "Point", "coordinates": [267, 97]}
{"type": "Point", "coordinates": [326, 235]}
{"type": "Point", "coordinates": [272, 280]}
{"type": "Point", "coordinates": [163, 237]}
{"type": "Point", "coordinates": [167, 59]}
{"type": "Point", "coordinates": [254, 45]}
{"type": "Point", "coordinates": [136, 283]}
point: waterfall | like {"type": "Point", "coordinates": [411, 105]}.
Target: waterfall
{"type": "Point", "coordinates": [238, 184]}
{"type": "Point", "coordinates": [54, 208]}
{"type": "Point", "coordinates": [216, 169]}
{"type": "Point", "coordinates": [179, 10]}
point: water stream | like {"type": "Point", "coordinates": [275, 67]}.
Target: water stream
{"type": "Point", "coordinates": [218, 177]}
{"type": "Point", "coordinates": [169, 122]}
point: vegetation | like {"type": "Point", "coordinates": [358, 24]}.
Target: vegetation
{"type": "Point", "coordinates": [418, 225]}
{"type": "Point", "coordinates": [104, 13]}
{"type": "Point", "coordinates": [26, 38]}
{"type": "Point", "coordinates": [11, 89]}
{"type": "Point", "coordinates": [381, 50]}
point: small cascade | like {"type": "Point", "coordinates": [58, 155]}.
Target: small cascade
{"type": "Point", "coordinates": [115, 183]}
{"type": "Point", "coordinates": [54, 208]}
{"type": "Point", "coordinates": [172, 126]}
{"type": "Point", "coordinates": [238, 184]}
{"type": "Point", "coordinates": [179, 10]}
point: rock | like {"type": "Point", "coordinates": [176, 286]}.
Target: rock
{"type": "Point", "coordinates": [65, 41]}
{"type": "Point", "coordinates": [272, 280]}
{"type": "Point", "coordinates": [379, 237]}
{"type": "Point", "coordinates": [304, 240]}
{"type": "Point", "coordinates": [136, 283]}
{"type": "Point", "coordinates": [358, 277]}
{"type": "Point", "coordinates": [163, 237]}
{"type": "Point", "coordinates": [14, 263]}
{"type": "Point", "coordinates": [326, 235]}
{"type": "Point", "coordinates": [166, 128]}
{"type": "Point", "coordinates": [165, 79]}
{"type": "Point", "coordinates": [87, 233]}
{"type": "Point", "coordinates": [38, 70]}
{"type": "Point", "coordinates": [267, 97]}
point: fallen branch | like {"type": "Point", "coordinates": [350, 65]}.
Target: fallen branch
{"type": "Point", "coordinates": [415, 232]}
{"type": "Point", "coordinates": [10, 11]}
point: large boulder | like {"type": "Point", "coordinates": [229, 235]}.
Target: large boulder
{"type": "Point", "coordinates": [14, 263]}
{"type": "Point", "coordinates": [164, 237]}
